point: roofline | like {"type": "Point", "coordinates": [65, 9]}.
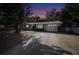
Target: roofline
{"type": "Point", "coordinates": [53, 22]}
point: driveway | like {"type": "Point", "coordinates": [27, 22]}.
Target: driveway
{"type": "Point", "coordinates": [43, 43]}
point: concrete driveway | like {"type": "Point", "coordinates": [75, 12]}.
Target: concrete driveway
{"type": "Point", "coordinates": [43, 43]}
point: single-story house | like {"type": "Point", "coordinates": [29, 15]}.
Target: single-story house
{"type": "Point", "coordinates": [45, 26]}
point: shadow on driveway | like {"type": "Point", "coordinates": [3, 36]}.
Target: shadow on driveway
{"type": "Point", "coordinates": [9, 40]}
{"type": "Point", "coordinates": [35, 47]}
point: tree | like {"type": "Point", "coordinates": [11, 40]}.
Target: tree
{"type": "Point", "coordinates": [70, 14]}
{"type": "Point", "coordinates": [52, 15]}
{"type": "Point", "coordinates": [66, 19]}
{"type": "Point", "coordinates": [34, 19]}
{"type": "Point", "coordinates": [13, 15]}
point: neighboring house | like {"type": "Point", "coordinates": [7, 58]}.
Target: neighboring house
{"type": "Point", "coordinates": [76, 30]}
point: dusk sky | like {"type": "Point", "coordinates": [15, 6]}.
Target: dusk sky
{"type": "Point", "coordinates": [40, 9]}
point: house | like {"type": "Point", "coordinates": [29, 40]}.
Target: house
{"type": "Point", "coordinates": [45, 26]}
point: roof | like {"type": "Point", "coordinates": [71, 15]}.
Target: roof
{"type": "Point", "coordinates": [52, 22]}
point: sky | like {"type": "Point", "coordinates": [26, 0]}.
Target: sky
{"type": "Point", "coordinates": [40, 9]}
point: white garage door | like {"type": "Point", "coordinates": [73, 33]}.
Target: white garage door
{"type": "Point", "coordinates": [52, 28]}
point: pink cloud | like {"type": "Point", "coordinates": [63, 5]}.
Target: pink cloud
{"type": "Point", "coordinates": [39, 11]}
{"type": "Point", "coordinates": [42, 11]}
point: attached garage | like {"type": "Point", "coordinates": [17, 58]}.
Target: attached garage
{"type": "Point", "coordinates": [52, 27]}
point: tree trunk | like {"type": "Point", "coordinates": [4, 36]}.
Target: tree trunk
{"type": "Point", "coordinates": [16, 29]}
{"type": "Point", "coordinates": [16, 25]}
{"type": "Point", "coordinates": [20, 27]}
